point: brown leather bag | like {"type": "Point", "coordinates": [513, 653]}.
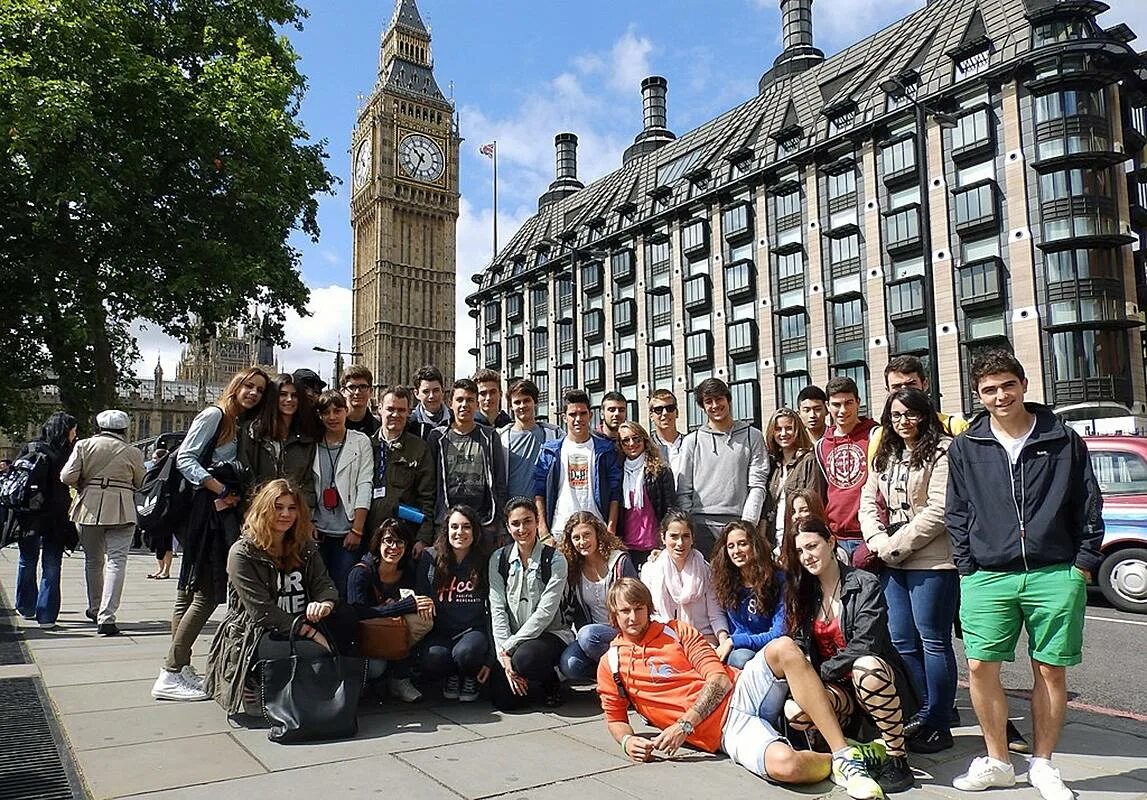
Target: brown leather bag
{"type": "Point", "coordinates": [383, 637]}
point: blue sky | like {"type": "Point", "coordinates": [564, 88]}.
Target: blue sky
{"type": "Point", "coordinates": [523, 71]}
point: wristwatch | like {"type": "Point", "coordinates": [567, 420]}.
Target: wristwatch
{"type": "Point", "coordinates": [686, 726]}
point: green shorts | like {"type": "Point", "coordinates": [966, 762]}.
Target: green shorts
{"type": "Point", "coordinates": [1050, 601]}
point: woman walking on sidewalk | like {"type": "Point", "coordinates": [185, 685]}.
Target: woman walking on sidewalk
{"type": "Point", "coordinates": [208, 459]}
{"type": "Point", "coordinates": [106, 471]}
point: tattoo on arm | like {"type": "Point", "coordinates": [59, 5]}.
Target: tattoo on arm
{"type": "Point", "coordinates": [710, 697]}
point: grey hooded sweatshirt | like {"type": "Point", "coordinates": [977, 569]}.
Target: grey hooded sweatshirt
{"type": "Point", "coordinates": [724, 473]}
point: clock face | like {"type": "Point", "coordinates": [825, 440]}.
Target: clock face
{"type": "Point", "coordinates": [421, 158]}
{"type": "Point", "coordinates": [362, 165]}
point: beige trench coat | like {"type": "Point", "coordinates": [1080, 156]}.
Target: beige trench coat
{"type": "Point", "coordinates": [106, 471]}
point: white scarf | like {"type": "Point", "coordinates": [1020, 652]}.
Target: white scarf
{"type": "Point", "coordinates": [673, 589]}
{"type": "Point", "coordinates": [633, 485]}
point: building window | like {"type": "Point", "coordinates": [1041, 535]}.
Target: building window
{"type": "Point", "coordinates": [514, 307]}
{"type": "Point", "coordinates": [1090, 364]}
{"type": "Point", "coordinates": [974, 62]}
{"type": "Point", "coordinates": [514, 352]}
{"type": "Point", "coordinates": [698, 293]}
{"type": "Point", "coordinates": [1058, 31]}
{"type": "Point", "coordinates": [492, 313]}
{"type": "Point", "coordinates": [1075, 136]}
{"type": "Point", "coordinates": [492, 355]}
{"type": "Point", "coordinates": [787, 209]}
{"type": "Point", "coordinates": [740, 280]}
{"type": "Point", "coordinates": [542, 381]}
{"type": "Point", "coordinates": [844, 255]}
{"type": "Point", "coordinates": [910, 340]}
{"type": "Point", "coordinates": [659, 309]}
{"type": "Point", "coordinates": [623, 266]}
{"type": "Point", "coordinates": [565, 290]}
{"type": "Point", "coordinates": [625, 366]}
{"type": "Point", "coordinates": [906, 300]}
{"type": "Point", "coordinates": [567, 379]}
{"type": "Point", "coordinates": [792, 330]}
{"type": "Point", "coordinates": [540, 303]}
{"type": "Point", "coordinates": [736, 222]}
{"type": "Point", "coordinates": [742, 339]}
{"type": "Point", "coordinates": [698, 350]}
{"type": "Point", "coordinates": [540, 346]}
{"type": "Point", "coordinates": [1069, 266]}
{"type": "Point", "coordinates": [1070, 103]}
{"type": "Point", "coordinates": [790, 265]}
{"type": "Point", "coordinates": [694, 238]}
{"type": "Point", "coordinates": [659, 267]}
{"type": "Point", "coordinates": [591, 278]}
{"type": "Point", "coordinates": [848, 324]}
{"type": "Point", "coordinates": [593, 325]}
{"type": "Point", "coordinates": [902, 228]}
{"type": "Point", "coordinates": [565, 334]}
{"type": "Point", "coordinates": [790, 388]}
{"type": "Point", "coordinates": [898, 158]}
{"type": "Point", "coordinates": [746, 403]}
{"type": "Point", "coordinates": [625, 315]}
{"type": "Point", "coordinates": [1074, 183]}
{"type": "Point", "coordinates": [974, 133]}
{"type": "Point", "coordinates": [980, 282]}
{"type": "Point", "coordinates": [859, 373]}
{"type": "Point", "coordinates": [841, 186]}
{"type": "Point", "coordinates": [976, 207]}
{"type": "Point", "coordinates": [594, 371]}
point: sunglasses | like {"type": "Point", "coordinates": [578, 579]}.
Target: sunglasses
{"type": "Point", "coordinates": [357, 387]}
{"type": "Point", "coordinates": [663, 410]}
{"type": "Point", "coordinates": [630, 440]}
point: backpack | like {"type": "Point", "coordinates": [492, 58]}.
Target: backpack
{"type": "Point", "coordinates": [163, 502]}
{"type": "Point", "coordinates": [544, 571]}
{"type": "Point", "coordinates": [22, 486]}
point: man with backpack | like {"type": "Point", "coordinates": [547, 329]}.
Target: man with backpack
{"type": "Point", "coordinates": [106, 471]}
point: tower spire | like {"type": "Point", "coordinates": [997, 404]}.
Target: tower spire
{"type": "Point", "coordinates": [406, 16]}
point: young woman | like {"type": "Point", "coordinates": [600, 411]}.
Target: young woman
{"type": "Point", "coordinates": [453, 574]}
{"type": "Point", "coordinates": [793, 465]}
{"type": "Point", "coordinates": [902, 519]}
{"type": "Point", "coordinates": [648, 491]}
{"type": "Point", "coordinates": [838, 616]}
{"type": "Point", "coordinates": [596, 559]}
{"type": "Point", "coordinates": [527, 582]}
{"type": "Point", "coordinates": [748, 587]}
{"type": "Point", "coordinates": [343, 475]}
{"type": "Point", "coordinates": [382, 584]}
{"type": "Point", "coordinates": [207, 459]}
{"type": "Point", "coordinates": [680, 582]}
{"type": "Point", "coordinates": [280, 442]}
{"type": "Point", "coordinates": [800, 504]}
{"type": "Point", "coordinates": [48, 532]}
{"type": "Point", "coordinates": [275, 574]}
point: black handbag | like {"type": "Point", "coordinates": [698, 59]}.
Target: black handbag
{"type": "Point", "coordinates": [311, 699]}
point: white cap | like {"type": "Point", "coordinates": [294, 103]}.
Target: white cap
{"type": "Point", "coordinates": [112, 420]}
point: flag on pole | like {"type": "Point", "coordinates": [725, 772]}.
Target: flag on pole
{"type": "Point", "coordinates": [488, 149]}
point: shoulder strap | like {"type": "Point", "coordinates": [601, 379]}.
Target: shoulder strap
{"type": "Point", "coordinates": [547, 566]}
{"type": "Point", "coordinates": [504, 562]}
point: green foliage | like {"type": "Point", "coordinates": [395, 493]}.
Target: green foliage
{"type": "Point", "coordinates": [152, 165]}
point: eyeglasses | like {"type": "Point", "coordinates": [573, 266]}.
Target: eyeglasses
{"type": "Point", "coordinates": [357, 387]}
{"type": "Point", "coordinates": [909, 416]}
{"type": "Point", "coordinates": [630, 440]}
{"type": "Point", "coordinates": [659, 410]}
{"type": "Point", "coordinates": [396, 543]}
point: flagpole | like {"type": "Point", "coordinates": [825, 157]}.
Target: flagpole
{"type": "Point", "coordinates": [495, 255]}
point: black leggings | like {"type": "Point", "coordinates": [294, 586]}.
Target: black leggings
{"type": "Point", "coordinates": [534, 660]}
{"type": "Point", "coordinates": [464, 655]}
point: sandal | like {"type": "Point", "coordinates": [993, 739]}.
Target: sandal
{"type": "Point", "coordinates": [152, 577]}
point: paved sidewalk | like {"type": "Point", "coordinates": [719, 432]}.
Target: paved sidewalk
{"type": "Point", "coordinates": [128, 745]}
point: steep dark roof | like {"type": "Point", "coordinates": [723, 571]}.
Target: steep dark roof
{"type": "Point", "coordinates": [406, 77]}
{"type": "Point", "coordinates": [927, 42]}
{"type": "Point", "coordinates": [406, 16]}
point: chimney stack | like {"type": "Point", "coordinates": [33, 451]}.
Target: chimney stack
{"type": "Point", "coordinates": [798, 54]}
{"type": "Point", "coordinates": [565, 182]}
{"type": "Point", "coordinates": [655, 134]}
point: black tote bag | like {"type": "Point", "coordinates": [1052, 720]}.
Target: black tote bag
{"type": "Point", "coordinates": [308, 699]}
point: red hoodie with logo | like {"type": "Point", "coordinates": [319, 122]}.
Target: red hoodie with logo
{"type": "Point", "coordinates": [843, 458]}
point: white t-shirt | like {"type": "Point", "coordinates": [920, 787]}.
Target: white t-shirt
{"type": "Point", "coordinates": [1013, 446]}
{"type": "Point", "coordinates": [575, 492]}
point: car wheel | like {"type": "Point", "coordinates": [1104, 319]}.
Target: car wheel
{"type": "Point", "coordinates": [1123, 579]}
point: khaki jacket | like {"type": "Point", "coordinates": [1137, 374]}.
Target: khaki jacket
{"type": "Point", "coordinates": [106, 471]}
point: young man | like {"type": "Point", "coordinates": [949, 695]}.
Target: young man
{"type": "Point", "coordinates": [358, 387]}
{"type": "Point", "coordinates": [580, 471]}
{"type": "Point", "coordinates": [471, 464]}
{"type": "Point", "coordinates": [523, 439]}
{"type": "Point", "coordinates": [843, 457]}
{"type": "Point", "coordinates": [1024, 513]}
{"type": "Point", "coordinates": [431, 411]}
{"type": "Point", "coordinates": [907, 372]}
{"type": "Point", "coordinates": [613, 413]}
{"type": "Point", "coordinates": [675, 679]}
{"type": "Point", "coordinates": [403, 469]}
{"type": "Point", "coordinates": [812, 405]}
{"type": "Point", "coordinates": [490, 411]}
{"type": "Point", "coordinates": [724, 468]}
{"type": "Point", "coordinates": [663, 428]}
{"type": "Point", "coordinates": [310, 382]}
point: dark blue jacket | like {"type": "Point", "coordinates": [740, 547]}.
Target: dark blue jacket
{"type": "Point", "coordinates": [606, 466]}
{"type": "Point", "coordinates": [1045, 510]}
{"type": "Point", "coordinates": [749, 628]}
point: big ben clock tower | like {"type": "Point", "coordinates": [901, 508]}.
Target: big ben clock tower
{"type": "Point", "coordinates": [404, 208]}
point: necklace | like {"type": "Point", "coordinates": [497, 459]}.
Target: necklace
{"type": "Point", "coordinates": [826, 609]}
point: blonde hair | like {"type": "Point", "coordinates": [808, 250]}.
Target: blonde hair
{"type": "Point", "coordinates": [653, 463]}
{"type": "Point", "coordinates": [258, 524]}
{"type": "Point", "coordinates": [606, 543]}
{"type": "Point", "coordinates": [627, 590]}
{"type": "Point", "coordinates": [804, 439]}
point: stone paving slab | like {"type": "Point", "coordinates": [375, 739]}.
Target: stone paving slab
{"type": "Point", "coordinates": [127, 745]}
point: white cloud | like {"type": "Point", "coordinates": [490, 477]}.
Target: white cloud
{"type": "Point", "coordinates": [629, 63]}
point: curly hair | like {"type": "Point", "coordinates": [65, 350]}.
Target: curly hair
{"type": "Point", "coordinates": [654, 466]}
{"type": "Point", "coordinates": [606, 543]}
{"type": "Point", "coordinates": [928, 431]}
{"type": "Point", "coordinates": [259, 523]}
{"type": "Point", "coordinates": [759, 574]}
{"type": "Point", "coordinates": [445, 560]}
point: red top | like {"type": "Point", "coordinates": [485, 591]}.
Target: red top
{"type": "Point", "coordinates": [844, 459]}
{"type": "Point", "coordinates": [828, 637]}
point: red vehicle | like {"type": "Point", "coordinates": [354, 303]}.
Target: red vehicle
{"type": "Point", "coordinates": [1120, 464]}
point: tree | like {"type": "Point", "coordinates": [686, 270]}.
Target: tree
{"type": "Point", "coordinates": [152, 167]}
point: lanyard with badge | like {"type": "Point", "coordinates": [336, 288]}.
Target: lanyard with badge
{"type": "Point", "coordinates": [331, 493]}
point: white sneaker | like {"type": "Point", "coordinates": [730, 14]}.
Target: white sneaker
{"type": "Point", "coordinates": [171, 686]}
{"type": "Point", "coordinates": [191, 677]}
{"type": "Point", "coordinates": [985, 773]}
{"type": "Point", "coordinates": [1045, 778]}
{"type": "Point", "coordinates": [404, 690]}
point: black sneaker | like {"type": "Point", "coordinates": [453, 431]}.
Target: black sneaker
{"type": "Point", "coordinates": [912, 727]}
{"type": "Point", "coordinates": [894, 775]}
{"type": "Point", "coordinates": [108, 629]}
{"type": "Point", "coordinates": [553, 695]}
{"type": "Point", "coordinates": [1016, 741]}
{"type": "Point", "coordinates": [954, 718]}
{"type": "Point", "coordinates": [90, 614]}
{"type": "Point", "coordinates": [930, 740]}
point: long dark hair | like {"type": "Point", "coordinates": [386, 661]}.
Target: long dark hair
{"type": "Point", "coordinates": [54, 432]}
{"type": "Point", "coordinates": [802, 588]}
{"type": "Point", "coordinates": [233, 411]}
{"type": "Point", "coordinates": [398, 530]}
{"type": "Point", "coordinates": [444, 560]}
{"type": "Point", "coordinates": [268, 424]}
{"type": "Point", "coordinates": [759, 574]}
{"type": "Point", "coordinates": [928, 430]}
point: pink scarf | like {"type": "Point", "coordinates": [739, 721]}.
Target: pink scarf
{"type": "Point", "coordinates": [673, 588]}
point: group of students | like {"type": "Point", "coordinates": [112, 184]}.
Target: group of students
{"type": "Point", "coordinates": [729, 583]}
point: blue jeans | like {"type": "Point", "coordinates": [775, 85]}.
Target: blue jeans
{"type": "Point", "coordinates": [921, 610]}
{"type": "Point", "coordinates": [579, 659]}
{"type": "Point", "coordinates": [339, 561]}
{"type": "Point", "coordinates": [43, 604]}
{"type": "Point", "coordinates": [849, 546]}
{"type": "Point", "coordinates": [740, 656]}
